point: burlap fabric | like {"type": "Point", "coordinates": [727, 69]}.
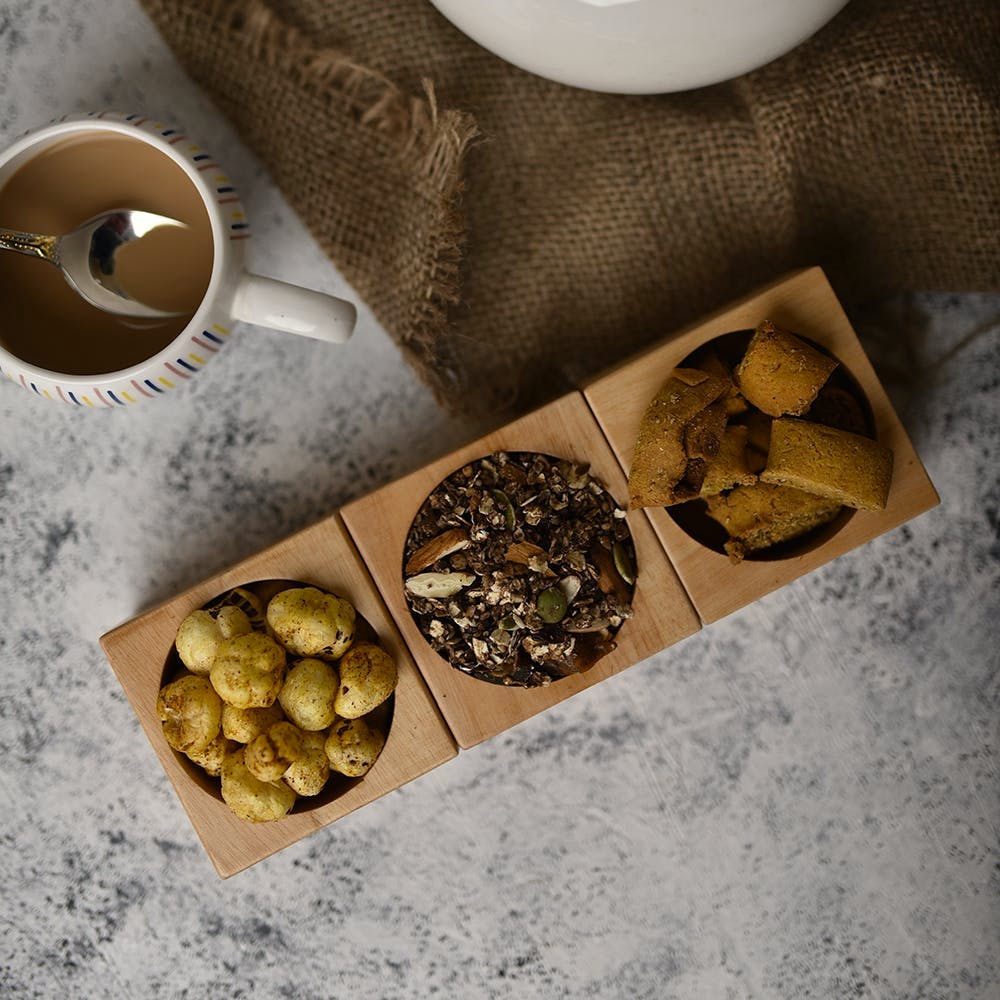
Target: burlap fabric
{"type": "Point", "coordinates": [512, 233]}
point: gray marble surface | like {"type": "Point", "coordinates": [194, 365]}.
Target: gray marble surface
{"type": "Point", "coordinates": [800, 801]}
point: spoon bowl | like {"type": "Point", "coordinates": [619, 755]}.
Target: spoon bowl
{"type": "Point", "coordinates": [87, 256]}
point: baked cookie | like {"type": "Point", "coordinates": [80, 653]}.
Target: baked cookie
{"type": "Point", "coordinates": [780, 373]}
{"type": "Point", "coordinates": [730, 467]}
{"type": "Point", "coordinates": [761, 515]}
{"type": "Point", "coordinates": [710, 362]}
{"type": "Point", "coordinates": [679, 435]}
{"type": "Point", "coordinates": [829, 462]}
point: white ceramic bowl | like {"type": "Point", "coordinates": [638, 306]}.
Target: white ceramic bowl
{"type": "Point", "coordinates": [639, 46]}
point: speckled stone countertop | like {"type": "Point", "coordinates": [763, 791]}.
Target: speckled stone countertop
{"type": "Point", "coordinates": [800, 801]}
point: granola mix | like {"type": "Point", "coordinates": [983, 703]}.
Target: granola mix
{"type": "Point", "coordinates": [519, 569]}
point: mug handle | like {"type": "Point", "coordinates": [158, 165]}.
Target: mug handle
{"type": "Point", "coordinates": [293, 309]}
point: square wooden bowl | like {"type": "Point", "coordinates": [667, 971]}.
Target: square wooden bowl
{"type": "Point", "coordinates": [804, 303]}
{"type": "Point", "coordinates": [324, 556]}
{"type": "Point", "coordinates": [474, 709]}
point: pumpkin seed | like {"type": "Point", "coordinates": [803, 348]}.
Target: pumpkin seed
{"type": "Point", "coordinates": [506, 506]}
{"type": "Point", "coordinates": [551, 605]}
{"type": "Point", "coordinates": [623, 562]}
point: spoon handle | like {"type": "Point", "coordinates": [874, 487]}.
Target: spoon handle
{"type": "Point", "coordinates": [31, 244]}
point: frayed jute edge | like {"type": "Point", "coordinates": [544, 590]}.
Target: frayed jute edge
{"type": "Point", "coordinates": [435, 141]}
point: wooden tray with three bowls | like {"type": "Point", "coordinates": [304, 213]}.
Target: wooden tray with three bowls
{"type": "Point", "coordinates": [357, 552]}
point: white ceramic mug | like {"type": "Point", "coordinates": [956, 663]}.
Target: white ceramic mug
{"type": "Point", "coordinates": [233, 293]}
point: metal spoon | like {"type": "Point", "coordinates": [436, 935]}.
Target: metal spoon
{"type": "Point", "coordinates": [86, 256]}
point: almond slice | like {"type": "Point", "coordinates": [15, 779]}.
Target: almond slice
{"type": "Point", "coordinates": [436, 548]}
{"type": "Point", "coordinates": [524, 552]}
{"type": "Point", "coordinates": [438, 585]}
{"type": "Point", "coordinates": [609, 579]}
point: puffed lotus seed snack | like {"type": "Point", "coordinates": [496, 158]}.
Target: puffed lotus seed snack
{"type": "Point", "coordinates": [210, 759]}
{"type": "Point", "coordinates": [309, 693]}
{"type": "Point", "coordinates": [309, 772]}
{"type": "Point", "coordinates": [352, 746]}
{"type": "Point", "coordinates": [243, 724]}
{"type": "Point", "coordinates": [199, 636]}
{"type": "Point", "coordinates": [308, 622]}
{"type": "Point", "coordinates": [250, 798]}
{"type": "Point", "coordinates": [278, 701]}
{"type": "Point", "coordinates": [248, 670]}
{"type": "Point", "coordinates": [191, 713]}
{"type": "Point", "coordinates": [201, 632]}
{"type": "Point", "coordinates": [367, 678]}
{"type": "Point", "coordinates": [271, 754]}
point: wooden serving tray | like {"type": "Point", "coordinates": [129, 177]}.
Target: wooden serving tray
{"type": "Point", "coordinates": [358, 553]}
{"type": "Point", "coordinates": [324, 556]}
{"type": "Point", "coordinates": [474, 709]}
{"type": "Point", "coordinates": [805, 304]}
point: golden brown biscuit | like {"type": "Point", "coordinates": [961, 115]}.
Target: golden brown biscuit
{"type": "Point", "coordinates": [663, 472]}
{"type": "Point", "coordinates": [832, 463]}
{"type": "Point", "coordinates": [710, 363]}
{"type": "Point", "coordinates": [702, 440]}
{"type": "Point", "coordinates": [703, 433]}
{"type": "Point", "coordinates": [730, 467]}
{"type": "Point", "coordinates": [761, 515]}
{"type": "Point", "coordinates": [780, 373]}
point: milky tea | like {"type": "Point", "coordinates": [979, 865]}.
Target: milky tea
{"type": "Point", "coordinates": [43, 320]}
